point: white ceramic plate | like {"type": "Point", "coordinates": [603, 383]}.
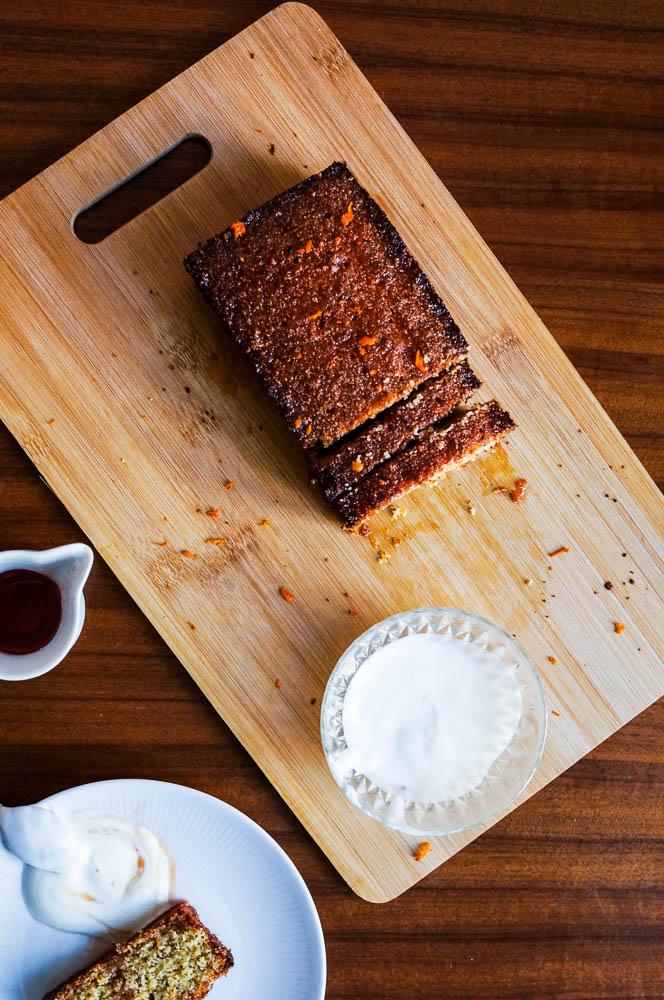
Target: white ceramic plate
{"type": "Point", "coordinates": [243, 885]}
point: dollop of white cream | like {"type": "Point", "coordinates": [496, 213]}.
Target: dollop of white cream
{"type": "Point", "coordinates": [117, 876]}
{"type": "Point", "coordinates": [39, 836]}
{"type": "Point", "coordinates": [427, 715]}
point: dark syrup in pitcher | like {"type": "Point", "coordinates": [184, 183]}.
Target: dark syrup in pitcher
{"type": "Point", "coordinates": [30, 611]}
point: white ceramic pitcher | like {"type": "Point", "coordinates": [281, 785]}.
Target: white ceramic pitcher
{"type": "Point", "coordinates": [68, 566]}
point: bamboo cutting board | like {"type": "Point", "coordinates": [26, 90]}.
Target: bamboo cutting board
{"type": "Point", "coordinates": [117, 381]}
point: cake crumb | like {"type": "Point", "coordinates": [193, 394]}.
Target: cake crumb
{"type": "Point", "coordinates": [165, 542]}
{"type": "Point", "coordinates": [351, 612]}
{"type": "Point", "coordinates": [286, 594]}
{"type": "Point", "coordinates": [618, 627]}
{"type": "Point", "coordinates": [608, 585]}
{"type": "Point", "coordinates": [395, 512]}
{"type": "Point", "coordinates": [383, 557]}
{"type": "Point", "coordinates": [188, 555]}
{"type": "Point", "coordinates": [528, 582]}
{"type": "Point", "coordinates": [277, 683]}
{"type": "Point", "coordinates": [229, 484]}
{"type": "Point", "coordinates": [421, 851]}
{"type": "Point", "coordinates": [553, 712]}
{"type": "Point", "coordinates": [212, 512]}
{"type": "Point", "coordinates": [191, 626]}
{"type": "Point", "coordinates": [471, 509]}
{"type": "Point", "coordinates": [51, 421]}
{"type": "Point", "coordinates": [519, 492]}
{"type": "Point", "coordinates": [552, 659]}
{"type": "Point", "coordinates": [312, 701]}
{"type": "Point", "coordinates": [264, 523]}
{"type": "Point", "coordinates": [215, 541]}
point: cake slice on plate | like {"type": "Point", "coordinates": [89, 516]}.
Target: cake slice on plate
{"type": "Point", "coordinates": [174, 958]}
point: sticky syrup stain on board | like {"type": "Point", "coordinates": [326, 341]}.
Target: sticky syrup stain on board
{"type": "Point", "coordinates": [222, 369]}
{"type": "Point", "coordinates": [495, 469]}
{"type": "Point", "coordinates": [386, 532]}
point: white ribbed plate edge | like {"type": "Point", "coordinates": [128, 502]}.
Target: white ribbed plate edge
{"type": "Point", "coordinates": [244, 886]}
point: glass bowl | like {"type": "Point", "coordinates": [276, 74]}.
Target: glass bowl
{"type": "Point", "coordinates": [508, 775]}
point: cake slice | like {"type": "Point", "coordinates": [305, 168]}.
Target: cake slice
{"type": "Point", "coordinates": [337, 317]}
{"type": "Point", "coordinates": [442, 448]}
{"type": "Point", "coordinates": [174, 958]}
{"type": "Point", "coordinates": [336, 470]}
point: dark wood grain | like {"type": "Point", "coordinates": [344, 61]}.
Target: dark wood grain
{"type": "Point", "coordinates": [545, 121]}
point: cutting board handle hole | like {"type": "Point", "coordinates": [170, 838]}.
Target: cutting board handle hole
{"type": "Point", "coordinates": [142, 189]}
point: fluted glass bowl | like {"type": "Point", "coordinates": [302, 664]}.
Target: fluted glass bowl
{"type": "Point", "coordinates": [508, 775]}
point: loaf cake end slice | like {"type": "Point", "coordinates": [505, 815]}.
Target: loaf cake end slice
{"type": "Point", "coordinates": [426, 460]}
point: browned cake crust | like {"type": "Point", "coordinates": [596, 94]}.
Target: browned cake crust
{"type": "Point", "coordinates": [179, 917]}
{"type": "Point", "coordinates": [336, 471]}
{"type": "Point", "coordinates": [319, 290]}
{"type": "Point", "coordinates": [424, 461]}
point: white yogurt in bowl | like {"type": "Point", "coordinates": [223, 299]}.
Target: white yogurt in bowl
{"type": "Point", "coordinates": [433, 721]}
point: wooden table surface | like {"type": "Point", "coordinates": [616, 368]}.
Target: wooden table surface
{"type": "Point", "coordinates": [546, 122]}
